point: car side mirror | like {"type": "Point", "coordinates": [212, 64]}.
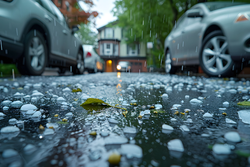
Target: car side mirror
{"type": "Point", "coordinates": [75, 28]}
{"type": "Point", "coordinates": [194, 13]}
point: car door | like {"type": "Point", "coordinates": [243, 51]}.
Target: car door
{"type": "Point", "coordinates": [176, 44]}
{"type": "Point", "coordinates": [191, 36]}
{"type": "Point", "coordinates": [52, 24]}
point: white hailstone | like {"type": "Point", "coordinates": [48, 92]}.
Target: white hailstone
{"type": "Point", "coordinates": [48, 132]}
{"type": "Point", "coordinates": [27, 98]}
{"type": "Point", "coordinates": [244, 91]}
{"type": "Point", "coordinates": [28, 149]}
{"type": "Point", "coordinates": [219, 96]}
{"type": "Point", "coordinates": [205, 135]}
{"type": "Point", "coordinates": [66, 90]}
{"type": "Point", "coordinates": [142, 113]}
{"type": "Point", "coordinates": [113, 121]}
{"type": "Point", "coordinates": [189, 120]}
{"type": "Point", "coordinates": [129, 129]}
{"type": "Point", "coordinates": [226, 104]}
{"type": "Point", "coordinates": [16, 104]}
{"type": "Point", "coordinates": [2, 114]}
{"type": "Point", "coordinates": [12, 121]}
{"type": "Point", "coordinates": [6, 103]}
{"type": "Point", "coordinates": [37, 86]}
{"type": "Point", "coordinates": [9, 129]}
{"type": "Point", "coordinates": [207, 115]}
{"type": "Point", "coordinates": [175, 145]}
{"type": "Point", "coordinates": [69, 114]}
{"type": "Point", "coordinates": [233, 91]}
{"type": "Point", "coordinates": [54, 125]}
{"type": "Point", "coordinates": [221, 149]}
{"type": "Point", "coordinates": [167, 127]}
{"type": "Point", "coordinates": [195, 101]}
{"type": "Point", "coordinates": [232, 137]}
{"type": "Point", "coordinates": [104, 133]}
{"type": "Point", "coordinates": [158, 106]}
{"type": "Point", "coordinates": [8, 153]}
{"type": "Point", "coordinates": [229, 121]}
{"type": "Point", "coordinates": [37, 94]}
{"type": "Point", "coordinates": [115, 140]}
{"type": "Point", "coordinates": [17, 95]}
{"type": "Point", "coordinates": [169, 89]}
{"type": "Point", "coordinates": [176, 106]}
{"type": "Point", "coordinates": [201, 98]}
{"type": "Point", "coordinates": [60, 100]}
{"type": "Point", "coordinates": [184, 128]}
{"type": "Point", "coordinates": [27, 107]}
{"type": "Point", "coordinates": [165, 96]}
{"type": "Point", "coordinates": [173, 120]}
{"type": "Point", "coordinates": [131, 151]}
{"type": "Point", "coordinates": [147, 112]}
{"type": "Point", "coordinates": [244, 115]}
{"type": "Point", "coordinates": [5, 108]}
{"type": "Point", "coordinates": [37, 114]}
{"type": "Point", "coordinates": [16, 84]}
{"type": "Point", "coordinates": [222, 109]}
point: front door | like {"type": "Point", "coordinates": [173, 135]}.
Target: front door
{"type": "Point", "coordinates": [109, 65]}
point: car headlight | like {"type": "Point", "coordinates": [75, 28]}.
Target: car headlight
{"type": "Point", "coordinates": [118, 67]}
{"type": "Point", "coordinates": [242, 17]}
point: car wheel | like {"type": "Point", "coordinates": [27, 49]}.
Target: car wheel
{"type": "Point", "coordinates": [169, 68]}
{"type": "Point", "coordinates": [79, 68]}
{"type": "Point", "coordinates": [215, 59]}
{"type": "Point", "coordinates": [35, 55]}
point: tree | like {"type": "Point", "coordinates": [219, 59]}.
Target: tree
{"type": "Point", "coordinates": [86, 35]}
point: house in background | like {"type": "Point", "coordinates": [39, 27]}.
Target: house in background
{"type": "Point", "coordinates": [112, 48]}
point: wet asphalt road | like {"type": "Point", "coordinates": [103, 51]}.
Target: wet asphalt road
{"type": "Point", "coordinates": [199, 111]}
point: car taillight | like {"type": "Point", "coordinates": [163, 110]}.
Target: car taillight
{"type": "Point", "coordinates": [88, 54]}
{"type": "Point", "coordinates": [242, 17]}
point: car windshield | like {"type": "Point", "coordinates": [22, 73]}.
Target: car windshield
{"type": "Point", "coordinates": [123, 63]}
{"type": "Point", "coordinates": [215, 6]}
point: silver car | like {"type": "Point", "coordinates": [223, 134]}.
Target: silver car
{"type": "Point", "coordinates": [214, 35]}
{"type": "Point", "coordinates": [34, 34]}
{"type": "Point", "coordinates": [92, 60]}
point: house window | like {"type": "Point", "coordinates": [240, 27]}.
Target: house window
{"type": "Point", "coordinates": [109, 33]}
{"type": "Point", "coordinates": [67, 5]}
{"type": "Point", "coordinates": [115, 49]}
{"type": "Point", "coordinates": [108, 49]}
{"type": "Point", "coordinates": [132, 50]}
{"type": "Point", "coordinates": [59, 3]}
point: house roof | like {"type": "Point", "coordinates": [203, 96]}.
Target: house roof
{"type": "Point", "coordinates": [105, 26]}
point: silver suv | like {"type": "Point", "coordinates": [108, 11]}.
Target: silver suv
{"type": "Point", "coordinates": [34, 34]}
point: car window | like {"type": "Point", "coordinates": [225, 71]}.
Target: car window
{"type": "Point", "coordinates": [46, 5]}
{"type": "Point", "coordinates": [58, 14]}
{"type": "Point", "coordinates": [219, 5]}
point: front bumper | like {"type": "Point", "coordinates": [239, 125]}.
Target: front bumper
{"type": "Point", "coordinates": [10, 49]}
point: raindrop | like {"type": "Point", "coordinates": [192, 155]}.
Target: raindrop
{"type": "Point", "coordinates": [34, 32]}
{"type": "Point", "coordinates": [70, 69]}
{"type": "Point", "coordinates": [16, 31]}
{"type": "Point", "coordinates": [181, 68]}
{"type": "Point", "coordinates": [13, 74]}
{"type": "Point", "coordinates": [177, 46]}
{"type": "Point", "coordinates": [150, 33]}
{"type": "Point", "coordinates": [1, 45]}
{"type": "Point", "coordinates": [6, 51]}
{"type": "Point", "coordinates": [142, 34]}
{"type": "Point", "coordinates": [143, 22]}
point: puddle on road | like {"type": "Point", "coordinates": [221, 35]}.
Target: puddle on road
{"type": "Point", "coordinates": [194, 107]}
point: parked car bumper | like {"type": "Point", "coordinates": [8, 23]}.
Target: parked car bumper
{"type": "Point", "coordinates": [10, 48]}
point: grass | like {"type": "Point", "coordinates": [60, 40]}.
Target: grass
{"type": "Point", "coordinates": [6, 70]}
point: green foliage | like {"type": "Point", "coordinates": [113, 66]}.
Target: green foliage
{"type": "Point", "coordinates": [97, 102]}
{"type": "Point", "coordinates": [86, 35]}
{"type": "Point", "coordinates": [6, 70]}
{"type": "Point", "coordinates": [76, 90]}
{"type": "Point", "coordinates": [242, 153]}
{"type": "Point", "coordinates": [244, 103]}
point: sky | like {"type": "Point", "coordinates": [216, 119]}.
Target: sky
{"type": "Point", "coordinates": [103, 7]}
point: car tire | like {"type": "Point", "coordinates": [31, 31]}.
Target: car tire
{"type": "Point", "coordinates": [214, 58]}
{"type": "Point", "coordinates": [79, 67]}
{"type": "Point", "coordinates": [35, 55]}
{"type": "Point", "coordinates": [169, 68]}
